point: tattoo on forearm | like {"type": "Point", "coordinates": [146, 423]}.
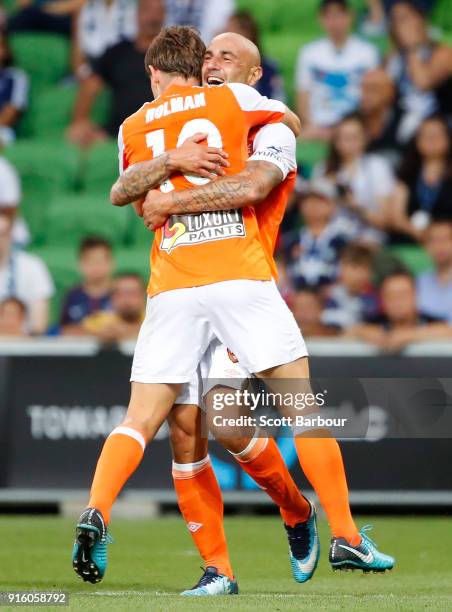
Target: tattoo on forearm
{"type": "Point", "coordinates": [139, 179]}
{"type": "Point", "coordinates": [228, 192]}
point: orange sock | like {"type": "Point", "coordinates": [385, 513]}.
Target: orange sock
{"type": "Point", "coordinates": [121, 455]}
{"type": "Point", "coordinates": [321, 461]}
{"type": "Point", "coordinates": [263, 461]}
{"type": "Point", "coordinates": [201, 504]}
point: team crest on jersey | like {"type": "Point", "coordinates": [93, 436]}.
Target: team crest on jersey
{"type": "Point", "coordinates": [180, 230]}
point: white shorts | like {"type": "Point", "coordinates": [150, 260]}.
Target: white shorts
{"type": "Point", "coordinates": [249, 317]}
{"type": "Point", "coordinates": [218, 364]}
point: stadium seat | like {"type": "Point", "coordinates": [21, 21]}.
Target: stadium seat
{"type": "Point", "coordinates": [72, 217]}
{"type": "Point", "coordinates": [100, 167]}
{"type": "Point", "coordinates": [51, 160]}
{"type": "Point", "coordinates": [309, 153]}
{"type": "Point", "coordinates": [414, 257]}
{"type": "Point", "coordinates": [45, 57]}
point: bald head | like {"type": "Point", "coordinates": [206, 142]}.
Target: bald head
{"type": "Point", "coordinates": [232, 58]}
{"type": "Point", "coordinates": [244, 47]}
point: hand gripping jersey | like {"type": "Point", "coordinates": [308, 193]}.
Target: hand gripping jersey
{"type": "Point", "coordinates": [196, 250]}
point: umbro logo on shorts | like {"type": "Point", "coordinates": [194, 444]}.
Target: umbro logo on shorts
{"type": "Point", "coordinates": [193, 527]}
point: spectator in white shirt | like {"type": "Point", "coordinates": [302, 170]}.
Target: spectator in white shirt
{"type": "Point", "coordinates": [329, 72]}
{"type": "Point", "coordinates": [365, 182]}
{"type": "Point", "coordinates": [208, 16]}
{"type": "Point", "coordinates": [25, 277]}
{"type": "Point", "coordinates": [10, 197]}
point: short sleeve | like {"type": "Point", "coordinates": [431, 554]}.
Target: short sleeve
{"type": "Point", "coordinates": [121, 152]}
{"type": "Point", "coordinates": [9, 184]}
{"type": "Point", "coordinates": [276, 144]}
{"type": "Point", "coordinates": [258, 109]}
{"type": "Point", "coordinates": [19, 93]}
{"type": "Point", "coordinates": [303, 71]}
{"type": "Point", "coordinates": [40, 283]}
{"type": "Point", "coordinates": [382, 176]}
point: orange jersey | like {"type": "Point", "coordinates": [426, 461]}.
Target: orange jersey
{"type": "Point", "coordinates": [194, 250]}
{"type": "Point", "coordinates": [275, 144]}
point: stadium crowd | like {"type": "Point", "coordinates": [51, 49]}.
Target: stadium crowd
{"type": "Point", "coordinates": [365, 211]}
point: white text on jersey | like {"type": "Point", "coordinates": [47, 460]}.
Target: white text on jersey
{"type": "Point", "coordinates": [175, 105]}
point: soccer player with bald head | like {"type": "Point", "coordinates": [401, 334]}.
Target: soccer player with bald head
{"type": "Point", "coordinates": [264, 184]}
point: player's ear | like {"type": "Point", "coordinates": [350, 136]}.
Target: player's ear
{"type": "Point", "coordinates": [255, 75]}
{"type": "Point", "coordinates": [154, 73]}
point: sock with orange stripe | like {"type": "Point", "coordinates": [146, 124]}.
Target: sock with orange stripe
{"type": "Point", "coordinates": [121, 455]}
{"type": "Point", "coordinates": [321, 461]}
{"type": "Point", "coordinates": [201, 504]}
{"type": "Point", "coordinates": [263, 461]}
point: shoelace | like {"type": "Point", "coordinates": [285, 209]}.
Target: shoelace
{"type": "Point", "coordinates": [299, 540]}
{"type": "Point", "coordinates": [363, 531]}
{"type": "Point", "coordinates": [206, 578]}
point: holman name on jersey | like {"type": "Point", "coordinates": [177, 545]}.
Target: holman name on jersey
{"type": "Point", "coordinates": [206, 227]}
{"type": "Point", "coordinates": [175, 105]}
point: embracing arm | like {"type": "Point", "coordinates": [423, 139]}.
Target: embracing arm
{"type": "Point", "coordinates": [191, 157]}
{"type": "Point", "coordinates": [247, 188]}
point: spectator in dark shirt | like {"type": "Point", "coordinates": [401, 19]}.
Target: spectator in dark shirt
{"type": "Point", "coordinates": [401, 322]}
{"type": "Point", "coordinates": [121, 68]}
{"type": "Point", "coordinates": [124, 320]}
{"type": "Point", "coordinates": [307, 307]}
{"type": "Point", "coordinates": [13, 92]}
{"type": "Point", "coordinates": [353, 299]}
{"type": "Point", "coordinates": [313, 251]}
{"type": "Point", "coordinates": [380, 113]}
{"type": "Point", "coordinates": [424, 189]}
{"type": "Point", "coordinates": [271, 83]}
{"type": "Point", "coordinates": [44, 16]}
{"type": "Point", "coordinates": [94, 294]}
{"type": "Point", "coordinates": [420, 68]}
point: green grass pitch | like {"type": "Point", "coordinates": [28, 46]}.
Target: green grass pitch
{"type": "Point", "coordinates": [152, 560]}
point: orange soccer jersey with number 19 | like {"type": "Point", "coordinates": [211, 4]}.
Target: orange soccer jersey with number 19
{"type": "Point", "coordinates": [194, 250]}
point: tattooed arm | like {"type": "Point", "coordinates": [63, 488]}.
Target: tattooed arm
{"type": "Point", "coordinates": [247, 188]}
{"type": "Point", "coordinates": [190, 158]}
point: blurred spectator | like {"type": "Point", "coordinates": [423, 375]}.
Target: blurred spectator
{"type": "Point", "coordinates": [44, 16]}
{"type": "Point", "coordinates": [94, 294]}
{"type": "Point", "coordinates": [271, 84]}
{"type": "Point", "coordinates": [13, 315]}
{"type": "Point", "coordinates": [330, 70]}
{"type": "Point", "coordinates": [434, 288]}
{"type": "Point", "coordinates": [380, 113]}
{"type": "Point", "coordinates": [208, 16]}
{"type": "Point", "coordinates": [121, 68]}
{"type": "Point", "coordinates": [100, 25]}
{"type": "Point", "coordinates": [365, 182]}
{"type": "Point", "coordinates": [353, 299]}
{"type": "Point", "coordinates": [25, 277]}
{"type": "Point", "coordinates": [375, 23]}
{"type": "Point", "coordinates": [307, 308]}
{"type": "Point", "coordinates": [313, 251]}
{"type": "Point", "coordinates": [425, 186]}
{"type": "Point", "coordinates": [2, 17]}
{"type": "Point", "coordinates": [401, 322]}
{"type": "Point", "coordinates": [13, 92]}
{"type": "Point", "coordinates": [123, 322]}
{"type": "Point", "coordinates": [10, 197]}
{"type": "Point", "coordinates": [420, 68]}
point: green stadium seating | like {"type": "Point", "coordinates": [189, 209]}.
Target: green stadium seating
{"type": "Point", "coordinates": [100, 167]}
{"type": "Point", "coordinates": [309, 153]}
{"type": "Point", "coordinates": [72, 217]}
{"type": "Point", "coordinates": [413, 257]}
{"type": "Point", "coordinates": [45, 57]}
{"type": "Point", "coordinates": [52, 160]}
